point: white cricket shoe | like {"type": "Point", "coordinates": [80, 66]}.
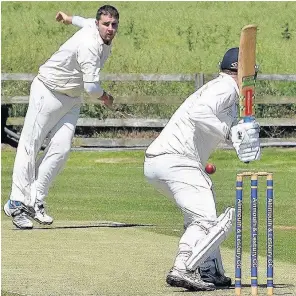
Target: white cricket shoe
{"type": "Point", "coordinates": [188, 279]}
{"type": "Point", "coordinates": [41, 216]}
{"type": "Point", "coordinates": [16, 210]}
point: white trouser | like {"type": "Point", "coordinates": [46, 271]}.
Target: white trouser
{"type": "Point", "coordinates": [184, 180]}
{"type": "Point", "coordinates": [51, 116]}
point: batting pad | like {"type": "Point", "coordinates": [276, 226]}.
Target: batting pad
{"type": "Point", "coordinates": [217, 234]}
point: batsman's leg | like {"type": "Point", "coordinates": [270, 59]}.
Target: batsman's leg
{"type": "Point", "coordinates": [215, 235]}
{"type": "Point", "coordinates": [162, 173]}
{"type": "Point", "coordinates": [212, 271]}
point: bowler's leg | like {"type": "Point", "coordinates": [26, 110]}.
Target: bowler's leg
{"type": "Point", "coordinates": [53, 160]}
{"type": "Point", "coordinates": [44, 111]}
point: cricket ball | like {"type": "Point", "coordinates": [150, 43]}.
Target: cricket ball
{"type": "Point", "coordinates": [210, 168]}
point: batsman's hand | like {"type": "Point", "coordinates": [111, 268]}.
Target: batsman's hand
{"type": "Point", "coordinates": [107, 100]}
{"type": "Point", "coordinates": [245, 139]}
{"type": "Point", "coordinates": [64, 18]}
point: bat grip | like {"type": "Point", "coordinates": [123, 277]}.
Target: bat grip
{"type": "Point", "coordinates": [248, 119]}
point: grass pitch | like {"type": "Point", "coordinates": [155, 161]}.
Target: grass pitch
{"type": "Point", "coordinates": [68, 258]}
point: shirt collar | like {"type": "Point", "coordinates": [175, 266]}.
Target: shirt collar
{"type": "Point", "coordinates": [231, 80]}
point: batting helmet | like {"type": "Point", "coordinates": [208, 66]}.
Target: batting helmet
{"type": "Point", "coordinates": [230, 60]}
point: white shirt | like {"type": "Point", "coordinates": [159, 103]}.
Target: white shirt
{"type": "Point", "coordinates": [78, 60]}
{"type": "Point", "coordinates": [201, 122]}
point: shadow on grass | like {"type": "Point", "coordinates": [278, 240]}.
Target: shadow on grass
{"type": "Point", "coordinates": [109, 224]}
{"type": "Point", "coordinates": [275, 286]}
{"type": "Point", "coordinates": [6, 293]}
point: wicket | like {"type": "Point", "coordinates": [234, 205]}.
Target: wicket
{"type": "Point", "coordinates": [254, 231]}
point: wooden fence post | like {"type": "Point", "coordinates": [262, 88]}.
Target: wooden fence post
{"type": "Point", "coordinates": [198, 80]}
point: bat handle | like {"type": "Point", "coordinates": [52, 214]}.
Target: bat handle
{"type": "Point", "coordinates": [248, 119]}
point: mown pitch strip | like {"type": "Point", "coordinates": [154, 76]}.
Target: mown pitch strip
{"type": "Point", "coordinates": [105, 261]}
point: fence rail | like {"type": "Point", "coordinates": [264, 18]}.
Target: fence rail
{"type": "Point", "coordinates": [150, 123]}
{"type": "Point", "coordinates": [152, 77]}
{"type": "Point", "coordinates": [198, 78]}
{"type": "Point", "coordinates": [142, 143]}
{"type": "Point", "coordinates": [167, 100]}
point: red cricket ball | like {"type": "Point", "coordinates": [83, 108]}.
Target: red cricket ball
{"type": "Point", "coordinates": [210, 168]}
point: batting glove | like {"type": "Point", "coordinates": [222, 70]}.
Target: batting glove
{"type": "Point", "coordinates": [245, 140]}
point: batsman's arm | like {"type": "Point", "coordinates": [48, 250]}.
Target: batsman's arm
{"type": "Point", "coordinates": [211, 103]}
{"type": "Point", "coordinates": [207, 121]}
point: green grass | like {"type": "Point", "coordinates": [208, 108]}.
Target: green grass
{"type": "Point", "coordinates": [110, 186]}
{"type": "Point", "coordinates": [154, 37]}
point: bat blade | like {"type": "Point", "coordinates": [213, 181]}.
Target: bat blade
{"type": "Point", "coordinates": [246, 71]}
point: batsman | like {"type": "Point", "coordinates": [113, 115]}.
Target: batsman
{"type": "Point", "coordinates": [174, 165]}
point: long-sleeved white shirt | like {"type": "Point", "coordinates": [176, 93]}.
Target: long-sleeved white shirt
{"type": "Point", "coordinates": [201, 122]}
{"type": "Point", "coordinates": [80, 59]}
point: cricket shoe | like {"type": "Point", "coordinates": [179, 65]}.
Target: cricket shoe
{"type": "Point", "coordinates": [18, 211]}
{"type": "Point", "coordinates": [41, 216]}
{"type": "Point", "coordinates": [189, 280]}
{"type": "Point", "coordinates": [216, 278]}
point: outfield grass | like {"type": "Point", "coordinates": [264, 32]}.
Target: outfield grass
{"type": "Point", "coordinates": [155, 37]}
{"type": "Point", "coordinates": [110, 186]}
{"type": "Point", "coordinates": [98, 186]}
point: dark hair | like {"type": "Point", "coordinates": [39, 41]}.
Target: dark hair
{"type": "Point", "coordinates": [107, 10]}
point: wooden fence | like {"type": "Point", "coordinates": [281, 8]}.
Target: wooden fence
{"type": "Point", "coordinates": [199, 79]}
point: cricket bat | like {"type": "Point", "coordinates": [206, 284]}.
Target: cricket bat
{"type": "Point", "coordinates": [246, 72]}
